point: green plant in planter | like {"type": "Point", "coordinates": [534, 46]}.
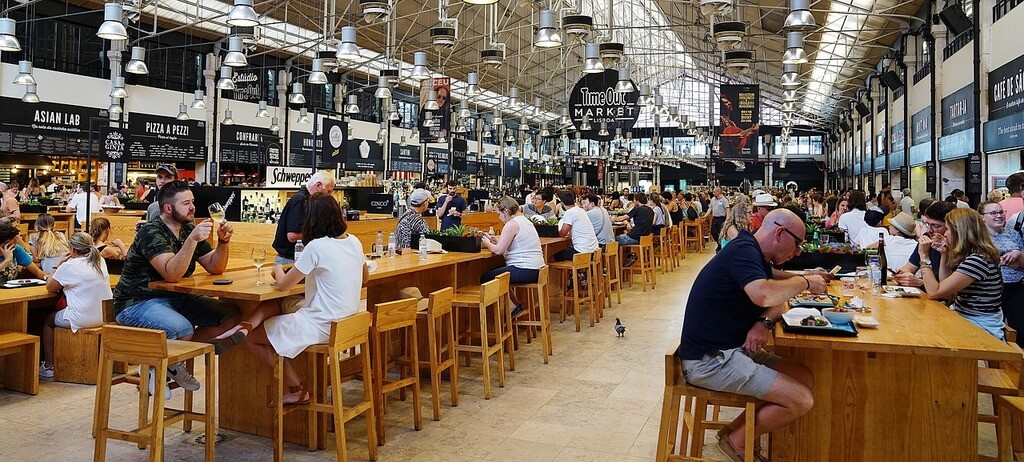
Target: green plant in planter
{"type": "Point", "coordinates": [552, 221]}
{"type": "Point", "coordinates": [455, 231]}
{"type": "Point", "coordinates": [33, 202]}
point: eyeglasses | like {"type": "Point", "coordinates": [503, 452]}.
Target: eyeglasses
{"type": "Point", "coordinates": [935, 225]}
{"type": "Point", "coordinates": [996, 213]}
{"type": "Point", "coordinates": [799, 240]}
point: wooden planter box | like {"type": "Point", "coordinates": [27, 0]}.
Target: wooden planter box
{"type": "Point", "coordinates": [32, 208]}
{"type": "Point", "coordinates": [450, 243]}
{"type": "Point", "coordinates": [547, 230]}
{"type": "Point", "coordinates": [136, 206]}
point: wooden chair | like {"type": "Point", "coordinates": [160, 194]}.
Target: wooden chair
{"type": "Point", "coordinates": [469, 295]}
{"type": "Point", "coordinates": [66, 226]}
{"type": "Point", "coordinates": [441, 343]}
{"type": "Point", "coordinates": [394, 317]}
{"type": "Point", "coordinates": [692, 234]}
{"type": "Point", "coordinates": [661, 252]}
{"type": "Point", "coordinates": [596, 289]}
{"type": "Point", "coordinates": [76, 355]}
{"type": "Point", "coordinates": [569, 271]}
{"type": "Point", "coordinates": [488, 314]}
{"type": "Point", "coordinates": [1010, 410]}
{"type": "Point", "coordinates": [675, 237]}
{"type": "Point", "coordinates": [150, 348]}
{"type": "Point", "coordinates": [18, 343]}
{"type": "Point", "coordinates": [644, 263]}
{"type": "Point", "coordinates": [612, 272]}
{"type": "Point", "coordinates": [1002, 380]}
{"type": "Point", "coordinates": [695, 401]}
{"type": "Point", "coordinates": [537, 314]}
{"type": "Point", "coordinates": [346, 334]}
{"type": "Point", "coordinates": [23, 231]}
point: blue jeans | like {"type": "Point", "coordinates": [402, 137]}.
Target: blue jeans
{"type": "Point", "coordinates": [178, 316]}
{"type": "Point", "coordinates": [279, 260]}
{"type": "Point", "coordinates": [624, 239]}
{"type": "Point", "coordinates": [516, 275]}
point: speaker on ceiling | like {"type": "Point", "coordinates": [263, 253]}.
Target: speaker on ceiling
{"type": "Point", "coordinates": [956, 21]}
{"type": "Point", "coordinates": [862, 109]}
{"type": "Point", "coordinates": [891, 79]}
{"type": "Point", "coordinates": [844, 125]}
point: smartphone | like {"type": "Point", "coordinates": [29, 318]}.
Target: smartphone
{"type": "Point", "coordinates": [835, 270]}
{"type": "Point", "coordinates": [222, 282]}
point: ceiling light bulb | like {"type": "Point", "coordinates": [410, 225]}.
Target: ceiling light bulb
{"type": "Point", "coordinates": [347, 48]}
{"type": "Point", "coordinates": [261, 111]}
{"type": "Point", "coordinates": [431, 104]}
{"type": "Point", "coordinates": [624, 84]}
{"type": "Point", "coordinates": [182, 112]}
{"type": "Point", "coordinates": [226, 81]}
{"type": "Point", "coordinates": [794, 49]}
{"type": "Point", "coordinates": [383, 88]}
{"type": "Point", "coordinates": [353, 105]}
{"type": "Point", "coordinates": [112, 27]}
{"type": "Point", "coordinates": [24, 76]}
{"type": "Point", "coordinates": [199, 101]}
{"type": "Point", "coordinates": [547, 35]}
{"type": "Point", "coordinates": [30, 94]}
{"type": "Point", "coordinates": [593, 64]}
{"type": "Point", "coordinates": [317, 75]}
{"type": "Point", "coordinates": [242, 14]}
{"type": "Point", "coordinates": [274, 125]}
{"type": "Point", "coordinates": [304, 118]}
{"type": "Point", "coordinates": [235, 56]}
{"type": "Point", "coordinates": [137, 65]}
{"type": "Point", "coordinates": [419, 68]}
{"type": "Point", "coordinates": [473, 82]}
{"type": "Point", "coordinates": [227, 118]}
{"type": "Point", "coordinates": [8, 37]}
{"type": "Point", "coordinates": [118, 91]}
{"type": "Point", "coordinates": [800, 17]}
{"type": "Point", "coordinates": [296, 97]}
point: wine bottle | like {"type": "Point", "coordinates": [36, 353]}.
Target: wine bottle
{"type": "Point", "coordinates": [882, 263]}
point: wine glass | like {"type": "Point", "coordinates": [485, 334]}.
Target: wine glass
{"type": "Point", "coordinates": [259, 257]}
{"type": "Point", "coordinates": [216, 212]}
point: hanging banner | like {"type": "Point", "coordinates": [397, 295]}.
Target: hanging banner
{"type": "Point", "coordinates": [240, 144]}
{"type": "Point", "coordinates": [302, 152]}
{"type": "Point", "coordinates": [405, 158]}
{"type": "Point", "coordinates": [249, 84]}
{"type": "Point", "coordinates": [335, 132]}
{"type": "Point", "coordinates": [438, 162]}
{"type": "Point", "coordinates": [364, 155]}
{"type": "Point", "coordinates": [898, 138]}
{"type": "Point", "coordinates": [958, 111]}
{"type": "Point", "coordinates": [594, 97]}
{"type": "Point", "coordinates": [442, 87]}
{"type": "Point", "coordinates": [113, 145]}
{"type": "Point", "coordinates": [1006, 89]}
{"type": "Point", "coordinates": [740, 109]}
{"type": "Point", "coordinates": [459, 151]}
{"type": "Point", "coordinates": [47, 128]}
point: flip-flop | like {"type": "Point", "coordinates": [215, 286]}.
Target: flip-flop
{"type": "Point", "coordinates": [304, 397]}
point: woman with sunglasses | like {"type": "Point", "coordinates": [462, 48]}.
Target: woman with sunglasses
{"type": "Point", "coordinates": [968, 271]}
{"type": "Point", "coordinates": [1011, 262]}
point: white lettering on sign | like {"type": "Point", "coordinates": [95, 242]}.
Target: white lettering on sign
{"type": "Point", "coordinates": [287, 176]}
{"type": "Point", "coordinates": [1009, 86]}
{"type": "Point", "coordinates": [606, 97]}
{"type": "Point", "coordinates": [157, 128]}
{"type": "Point", "coordinates": [247, 137]}
{"type": "Point", "coordinates": [55, 117]}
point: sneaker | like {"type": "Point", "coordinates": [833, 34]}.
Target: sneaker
{"type": "Point", "coordinates": [518, 310]}
{"type": "Point", "coordinates": [152, 384]}
{"type": "Point", "coordinates": [45, 372]}
{"type": "Point", "coordinates": [180, 376]}
{"type": "Point", "coordinates": [630, 259]}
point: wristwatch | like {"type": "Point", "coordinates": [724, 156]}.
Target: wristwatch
{"type": "Point", "coordinates": [926, 262]}
{"type": "Point", "coordinates": [768, 323]}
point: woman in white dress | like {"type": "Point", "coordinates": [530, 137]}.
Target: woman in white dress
{"type": "Point", "coordinates": [332, 292]}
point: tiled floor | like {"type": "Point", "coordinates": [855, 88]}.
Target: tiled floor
{"type": "Point", "coordinates": [597, 400]}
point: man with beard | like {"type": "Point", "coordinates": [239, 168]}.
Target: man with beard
{"type": "Point", "coordinates": [167, 250]}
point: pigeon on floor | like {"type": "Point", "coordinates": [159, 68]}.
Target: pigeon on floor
{"type": "Point", "coordinates": [619, 328]}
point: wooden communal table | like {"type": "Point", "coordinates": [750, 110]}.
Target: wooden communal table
{"type": "Point", "coordinates": [904, 391]}
{"type": "Point", "coordinates": [244, 383]}
{"type": "Point", "coordinates": [15, 371]}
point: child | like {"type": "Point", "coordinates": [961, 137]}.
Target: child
{"type": "Point", "coordinates": [47, 246]}
{"type": "Point", "coordinates": [83, 276]}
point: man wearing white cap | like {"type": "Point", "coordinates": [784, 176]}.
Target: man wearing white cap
{"type": "Point", "coordinates": [411, 222]}
{"type": "Point", "coordinates": [763, 203]}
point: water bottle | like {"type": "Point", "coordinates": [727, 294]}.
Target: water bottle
{"type": "Point", "coordinates": [378, 245]}
{"type": "Point", "coordinates": [298, 249]}
{"type": "Point", "coordinates": [490, 231]}
{"type": "Point", "coordinates": [423, 247]}
{"type": "Point", "coordinates": [876, 276]}
{"type": "Point", "coordinates": [391, 245]}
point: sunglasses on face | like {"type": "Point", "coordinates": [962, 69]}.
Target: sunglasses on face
{"type": "Point", "coordinates": [799, 240]}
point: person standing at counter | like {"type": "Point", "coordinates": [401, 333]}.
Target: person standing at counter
{"type": "Point", "coordinates": [289, 225]}
{"type": "Point", "coordinates": [9, 201]}
{"type": "Point", "coordinates": [450, 211]}
{"type": "Point", "coordinates": [411, 222]}
{"type": "Point", "coordinates": [727, 325]}
{"type": "Point", "coordinates": [164, 174]}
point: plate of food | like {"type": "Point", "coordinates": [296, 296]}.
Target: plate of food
{"type": "Point", "coordinates": [900, 291]}
{"type": "Point", "coordinates": [814, 301]}
{"type": "Point", "coordinates": [14, 283]}
{"type": "Point", "coordinates": [805, 317]}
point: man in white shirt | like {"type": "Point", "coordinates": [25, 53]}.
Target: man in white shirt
{"type": "Point", "coordinates": [78, 204]}
{"type": "Point", "coordinates": [576, 223]}
{"type": "Point", "coordinates": [599, 218]}
{"type": "Point", "coordinates": [907, 203]}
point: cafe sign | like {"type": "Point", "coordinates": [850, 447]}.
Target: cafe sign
{"type": "Point", "coordinates": [958, 111]}
{"type": "Point", "coordinates": [594, 96]}
{"type": "Point", "coordinates": [1006, 89]}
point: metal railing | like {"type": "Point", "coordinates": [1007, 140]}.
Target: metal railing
{"type": "Point", "coordinates": [924, 71]}
{"type": "Point", "coordinates": [1002, 7]}
{"type": "Point", "coordinates": [957, 43]}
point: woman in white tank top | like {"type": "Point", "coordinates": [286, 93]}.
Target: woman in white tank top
{"type": "Point", "coordinates": [518, 243]}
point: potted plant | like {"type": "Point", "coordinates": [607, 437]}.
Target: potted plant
{"type": "Point", "coordinates": [454, 239]}
{"type": "Point", "coordinates": [32, 206]}
{"type": "Point", "coordinates": [548, 228]}
{"type": "Point", "coordinates": [136, 204]}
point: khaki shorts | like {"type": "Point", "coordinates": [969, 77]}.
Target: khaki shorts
{"type": "Point", "coordinates": [292, 303]}
{"type": "Point", "coordinates": [733, 371]}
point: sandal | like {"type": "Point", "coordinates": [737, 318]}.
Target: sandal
{"type": "Point", "coordinates": [303, 396]}
{"type": "Point", "coordinates": [242, 326]}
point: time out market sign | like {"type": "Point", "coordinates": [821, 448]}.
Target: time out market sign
{"type": "Point", "coordinates": [594, 96]}
{"type": "Point", "coordinates": [287, 177]}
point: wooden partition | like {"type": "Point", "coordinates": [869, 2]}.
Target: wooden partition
{"type": "Point", "coordinates": [482, 221]}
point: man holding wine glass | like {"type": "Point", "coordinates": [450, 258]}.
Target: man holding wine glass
{"type": "Point", "coordinates": [167, 250]}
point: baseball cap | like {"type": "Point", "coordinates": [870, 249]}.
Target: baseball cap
{"type": "Point", "coordinates": [418, 197]}
{"type": "Point", "coordinates": [873, 217]}
{"type": "Point", "coordinates": [168, 168]}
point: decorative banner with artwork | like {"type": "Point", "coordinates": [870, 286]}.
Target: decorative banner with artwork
{"type": "Point", "coordinates": [249, 84]}
{"type": "Point", "coordinates": [335, 133]}
{"type": "Point", "coordinates": [594, 96]}
{"type": "Point", "coordinates": [443, 116]}
{"type": "Point", "coordinates": [740, 110]}
{"type": "Point", "coordinates": [364, 155]}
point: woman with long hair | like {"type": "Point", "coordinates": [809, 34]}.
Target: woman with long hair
{"type": "Point", "coordinates": [99, 229]}
{"type": "Point", "coordinates": [969, 271]}
{"type": "Point", "coordinates": [1011, 262]}
{"type": "Point", "coordinates": [853, 220]}
{"type": "Point", "coordinates": [48, 246]}
{"type": "Point", "coordinates": [737, 220]}
{"type": "Point", "coordinates": [332, 293]}
{"type": "Point", "coordinates": [82, 274]}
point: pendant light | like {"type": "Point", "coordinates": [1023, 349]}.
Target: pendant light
{"type": "Point", "coordinates": [317, 76]}
{"type": "Point", "coordinates": [789, 95]}
{"type": "Point", "coordinates": [794, 49]}
{"type": "Point", "coordinates": [261, 111]}
{"type": "Point", "coordinates": [304, 118]}
{"type": "Point", "coordinates": [199, 101]}
{"type": "Point", "coordinates": [382, 134]}
{"type": "Point", "coordinates": [473, 86]}
{"type": "Point", "coordinates": [402, 142]}
{"type": "Point", "coordinates": [347, 48]}
{"type": "Point", "coordinates": [274, 126]}
{"type": "Point", "coordinates": [8, 38]}
{"type": "Point", "coordinates": [296, 97]}
{"type": "Point", "coordinates": [24, 76]}
{"type": "Point", "coordinates": [544, 129]}
{"type": "Point", "coordinates": [353, 104]}
{"type": "Point", "coordinates": [182, 112]}
{"type": "Point", "coordinates": [464, 112]}
{"type": "Point", "coordinates": [226, 82]}
{"type": "Point", "coordinates": [593, 64]}
{"type": "Point", "coordinates": [227, 118]}
{"type": "Point", "coordinates": [393, 114]}
{"type": "Point", "coordinates": [510, 138]}
{"type": "Point", "coordinates": [235, 56]}
{"type": "Point", "coordinates": [645, 95]}
{"type": "Point", "coordinates": [537, 107]}
{"type": "Point", "coordinates": [523, 124]}
{"type": "Point", "coordinates": [624, 84]}
{"type": "Point", "coordinates": [431, 103]}
{"type": "Point", "coordinates": [480, 2]}
{"type": "Point", "coordinates": [547, 35]}
{"type": "Point", "coordinates": [497, 117]}
{"type": "Point", "coordinates": [137, 65]}
{"type": "Point", "coordinates": [242, 14]}
{"type": "Point", "coordinates": [112, 27]}
{"type": "Point", "coordinates": [119, 91]}
{"type": "Point", "coordinates": [604, 129]}
{"type": "Point", "coordinates": [800, 17]}
{"type": "Point", "coordinates": [585, 125]}
{"type": "Point", "coordinates": [419, 68]}
{"type": "Point", "coordinates": [30, 94]}
{"type": "Point", "coordinates": [790, 76]}
{"type": "Point", "coordinates": [565, 120]}
{"type": "Point", "coordinates": [383, 88]}
{"type": "Point", "coordinates": [513, 98]}
{"type": "Point", "coordinates": [115, 106]}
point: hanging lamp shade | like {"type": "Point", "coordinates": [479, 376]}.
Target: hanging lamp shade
{"type": "Point", "coordinates": [585, 125]}
{"type": "Point", "coordinates": [593, 64]}
{"type": "Point", "coordinates": [112, 27]}
{"type": "Point", "coordinates": [296, 96]}
{"type": "Point", "coordinates": [473, 85]}
{"type": "Point", "coordinates": [431, 104]}
{"type": "Point", "coordinates": [227, 118]}
{"type": "Point", "coordinates": [137, 65]}
{"type": "Point", "coordinates": [565, 120]}
{"type": "Point", "coordinates": [347, 48]}
{"type": "Point", "coordinates": [30, 94]}
{"type": "Point", "coordinates": [800, 17]}
{"type": "Point", "coordinates": [304, 117]}
{"type": "Point", "coordinates": [199, 100]}
{"type": "Point", "coordinates": [242, 14]}
{"type": "Point", "coordinates": [464, 112]}
{"type": "Point", "coordinates": [383, 90]}
{"type": "Point", "coordinates": [8, 39]}
{"type": "Point", "coordinates": [548, 36]}
{"type": "Point", "coordinates": [794, 53]}
{"type": "Point", "coordinates": [496, 120]}
{"type": "Point", "coordinates": [24, 76]}
{"type": "Point", "coordinates": [182, 112]}
{"type": "Point", "coordinates": [115, 106]}
{"type": "Point", "coordinates": [604, 129]}
{"type": "Point", "coordinates": [236, 55]}
{"type": "Point", "coordinates": [226, 82]}
{"type": "Point", "coordinates": [275, 124]}
{"type": "Point", "coordinates": [419, 68]}
{"type": "Point", "coordinates": [393, 114]}
{"type": "Point", "coordinates": [317, 75]}
{"type": "Point", "coordinates": [790, 95]}
{"type": "Point", "coordinates": [261, 110]}
{"type": "Point", "coordinates": [790, 76]}
{"type": "Point", "coordinates": [624, 84]}
{"type": "Point", "coordinates": [352, 107]}
{"type": "Point", "coordinates": [118, 91]}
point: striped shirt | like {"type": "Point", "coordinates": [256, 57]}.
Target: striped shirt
{"type": "Point", "coordinates": [984, 295]}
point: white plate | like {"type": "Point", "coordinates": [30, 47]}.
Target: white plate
{"type": "Point", "coordinates": [795, 315]}
{"type": "Point", "coordinates": [23, 282]}
{"type": "Point", "coordinates": [866, 321]}
{"type": "Point", "coordinates": [900, 291]}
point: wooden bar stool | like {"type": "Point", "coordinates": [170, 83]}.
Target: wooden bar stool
{"type": "Point", "coordinates": [661, 252]}
{"type": "Point", "coordinates": [596, 288]}
{"type": "Point", "coordinates": [76, 355]}
{"type": "Point", "coordinates": [675, 239]}
{"type": "Point", "coordinates": [569, 271]}
{"type": "Point", "coordinates": [644, 263]}
{"type": "Point", "coordinates": [346, 334]}
{"type": "Point", "coordinates": [695, 402]}
{"type": "Point", "coordinates": [150, 348]}
{"type": "Point", "coordinates": [27, 346]}
{"type": "Point", "coordinates": [488, 314]}
{"type": "Point", "coordinates": [468, 294]}
{"type": "Point", "coordinates": [1010, 410]}
{"type": "Point", "coordinates": [612, 272]}
{"type": "Point", "coordinates": [394, 317]}
{"type": "Point", "coordinates": [537, 314]}
{"type": "Point", "coordinates": [679, 239]}
{"type": "Point", "coordinates": [1002, 380]}
{"type": "Point", "coordinates": [692, 231]}
{"type": "Point", "coordinates": [441, 342]}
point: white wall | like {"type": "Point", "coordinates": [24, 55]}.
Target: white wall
{"type": "Point", "coordinates": [1004, 44]}
{"type": "Point", "coordinates": [951, 176]}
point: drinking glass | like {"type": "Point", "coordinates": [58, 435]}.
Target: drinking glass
{"type": "Point", "coordinates": [217, 215]}
{"type": "Point", "coordinates": [863, 280]}
{"type": "Point", "coordinates": [849, 286]}
{"type": "Point", "coordinates": [259, 257]}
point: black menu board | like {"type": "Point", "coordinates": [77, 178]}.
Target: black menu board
{"type": "Point", "coordinates": [438, 162]}
{"type": "Point", "coordinates": [243, 145]}
{"type": "Point", "coordinates": [512, 167]}
{"type": "Point", "coordinates": [302, 153]}
{"type": "Point", "coordinates": [472, 166]}
{"type": "Point", "coordinates": [491, 164]}
{"type": "Point", "coordinates": [47, 128]}
{"type": "Point", "coordinates": [459, 151]}
{"type": "Point", "coordinates": [405, 158]}
{"type": "Point", "coordinates": [165, 139]}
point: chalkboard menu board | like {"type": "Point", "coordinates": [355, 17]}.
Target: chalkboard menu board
{"type": "Point", "coordinates": [472, 166]}
{"type": "Point", "coordinates": [165, 139]}
{"type": "Point", "coordinates": [405, 158]}
{"type": "Point", "coordinates": [513, 167]}
{"type": "Point", "coordinates": [302, 153]}
{"type": "Point", "coordinates": [459, 151]}
{"type": "Point", "coordinates": [491, 164]}
{"type": "Point", "coordinates": [438, 162]}
{"type": "Point", "coordinates": [46, 128]}
{"type": "Point", "coordinates": [243, 145]}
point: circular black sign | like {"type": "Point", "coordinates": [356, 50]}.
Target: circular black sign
{"type": "Point", "coordinates": [594, 95]}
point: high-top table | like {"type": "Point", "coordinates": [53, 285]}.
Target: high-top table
{"type": "Point", "coordinates": [907, 390]}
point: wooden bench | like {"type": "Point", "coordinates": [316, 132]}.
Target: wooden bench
{"type": "Point", "coordinates": [76, 355]}
{"type": "Point", "coordinates": [18, 343]}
